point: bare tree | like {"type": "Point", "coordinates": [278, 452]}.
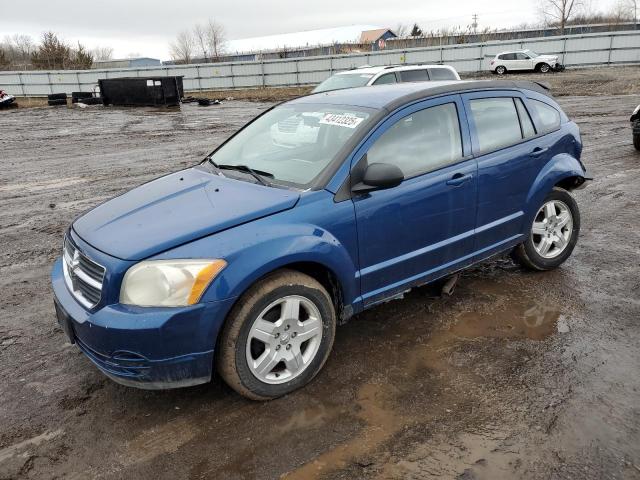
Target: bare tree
{"type": "Point", "coordinates": [102, 53]}
{"type": "Point", "coordinates": [182, 48]}
{"type": "Point", "coordinates": [200, 37]}
{"type": "Point", "coordinates": [401, 30]}
{"type": "Point", "coordinates": [216, 39]}
{"type": "Point", "coordinates": [559, 12]}
{"type": "Point", "coordinates": [627, 10]}
{"type": "Point", "coordinates": [24, 45]}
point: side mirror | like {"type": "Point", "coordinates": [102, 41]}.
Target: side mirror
{"type": "Point", "coordinates": [379, 176]}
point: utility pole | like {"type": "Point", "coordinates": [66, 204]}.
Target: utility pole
{"type": "Point", "coordinates": [474, 24]}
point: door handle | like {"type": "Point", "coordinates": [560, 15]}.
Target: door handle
{"type": "Point", "coordinates": [458, 179]}
{"type": "Point", "coordinates": [538, 151]}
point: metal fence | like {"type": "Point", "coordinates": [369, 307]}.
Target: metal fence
{"type": "Point", "coordinates": [615, 48]}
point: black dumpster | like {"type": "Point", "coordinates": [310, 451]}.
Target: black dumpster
{"type": "Point", "coordinates": [141, 91]}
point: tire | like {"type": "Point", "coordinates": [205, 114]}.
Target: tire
{"type": "Point", "coordinates": [501, 70]}
{"type": "Point", "coordinates": [57, 96]}
{"type": "Point", "coordinates": [77, 96]}
{"type": "Point", "coordinates": [267, 299]}
{"type": "Point", "coordinates": [56, 102]}
{"type": "Point", "coordinates": [90, 101]}
{"type": "Point", "coordinates": [636, 140]}
{"type": "Point", "coordinates": [527, 253]}
{"type": "Point", "coordinates": [543, 68]}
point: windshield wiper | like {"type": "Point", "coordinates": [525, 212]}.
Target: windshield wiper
{"type": "Point", "coordinates": [257, 174]}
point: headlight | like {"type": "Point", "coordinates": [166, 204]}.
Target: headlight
{"type": "Point", "coordinates": [168, 283]}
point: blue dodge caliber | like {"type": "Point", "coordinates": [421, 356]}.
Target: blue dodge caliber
{"type": "Point", "coordinates": [319, 208]}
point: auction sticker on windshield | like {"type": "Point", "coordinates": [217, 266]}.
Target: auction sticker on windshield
{"type": "Point", "coordinates": [341, 119]}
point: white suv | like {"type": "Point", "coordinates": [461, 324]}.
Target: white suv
{"type": "Point", "coordinates": [524, 60]}
{"type": "Point", "coordinates": [366, 75]}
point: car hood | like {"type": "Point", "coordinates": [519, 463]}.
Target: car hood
{"type": "Point", "coordinates": [176, 209]}
{"type": "Point", "coordinates": [547, 57]}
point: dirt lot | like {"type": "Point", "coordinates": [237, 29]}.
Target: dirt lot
{"type": "Point", "coordinates": [516, 375]}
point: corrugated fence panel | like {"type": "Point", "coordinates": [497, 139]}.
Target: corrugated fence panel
{"type": "Point", "coordinates": [625, 56]}
{"type": "Point", "coordinates": [626, 41]}
{"type": "Point", "coordinates": [608, 48]}
{"type": "Point", "coordinates": [423, 56]}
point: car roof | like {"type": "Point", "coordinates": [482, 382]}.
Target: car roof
{"type": "Point", "coordinates": [395, 95]}
{"type": "Point", "coordinates": [515, 51]}
{"type": "Point", "coordinates": [390, 68]}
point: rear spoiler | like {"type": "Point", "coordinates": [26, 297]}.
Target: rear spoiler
{"type": "Point", "coordinates": [544, 85]}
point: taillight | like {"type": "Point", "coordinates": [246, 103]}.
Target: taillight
{"type": "Point", "coordinates": [492, 62]}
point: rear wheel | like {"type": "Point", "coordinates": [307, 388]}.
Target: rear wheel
{"type": "Point", "coordinates": [277, 337]}
{"type": "Point", "coordinates": [501, 70]}
{"type": "Point", "coordinates": [553, 233]}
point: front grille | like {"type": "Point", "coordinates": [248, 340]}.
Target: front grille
{"type": "Point", "coordinates": [83, 276]}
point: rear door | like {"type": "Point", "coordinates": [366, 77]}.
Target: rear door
{"type": "Point", "coordinates": [423, 227]}
{"type": "Point", "coordinates": [507, 59]}
{"type": "Point", "coordinates": [508, 152]}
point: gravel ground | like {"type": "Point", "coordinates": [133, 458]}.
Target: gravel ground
{"type": "Point", "coordinates": [515, 375]}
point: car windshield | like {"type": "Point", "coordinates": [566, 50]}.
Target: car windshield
{"type": "Point", "coordinates": [291, 144]}
{"type": "Point", "coordinates": [344, 80]}
{"type": "Point", "coordinates": [531, 53]}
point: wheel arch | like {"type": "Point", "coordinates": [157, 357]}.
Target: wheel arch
{"type": "Point", "coordinates": [562, 171]}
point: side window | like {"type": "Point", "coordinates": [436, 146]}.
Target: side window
{"type": "Point", "coordinates": [525, 119]}
{"type": "Point", "coordinates": [496, 122]}
{"type": "Point", "coordinates": [386, 78]}
{"type": "Point", "coordinates": [414, 76]}
{"type": "Point", "coordinates": [547, 117]}
{"type": "Point", "coordinates": [510, 56]}
{"type": "Point", "coordinates": [421, 142]}
{"type": "Point", "coordinates": [441, 74]}
{"type": "Point", "coordinates": [521, 56]}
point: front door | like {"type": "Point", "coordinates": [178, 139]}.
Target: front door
{"type": "Point", "coordinates": [523, 61]}
{"type": "Point", "coordinates": [423, 228]}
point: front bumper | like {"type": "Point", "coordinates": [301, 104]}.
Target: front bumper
{"type": "Point", "coordinates": [557, 67]}
{"type": "Point", "coordinates": [151, 348]}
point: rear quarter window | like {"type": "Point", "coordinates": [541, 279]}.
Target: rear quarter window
{"type": "Point", "coordinates": [547, 118]}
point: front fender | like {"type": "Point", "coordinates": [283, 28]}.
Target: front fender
{"type": "Point", "coordinates": [255, 249]}
{"type": "Point", "coordinates": [560, 167]}
{"type": "Point", "coordinates": [301, 243]}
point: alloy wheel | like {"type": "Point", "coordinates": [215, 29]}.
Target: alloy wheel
{"type": "Point", "coordinates": [284, 339]}
{"type": "Point", "coordinates": [552, 229]}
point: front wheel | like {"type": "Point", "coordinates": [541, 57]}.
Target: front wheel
{"type": "Point", "coordinates": [553, 233]}
{"type": "Point", "coordinates": [544, 68]}
{"type": "Point", "coordinates": [636, 140]}
{"type": "Point", "coordinates": [277, 337]}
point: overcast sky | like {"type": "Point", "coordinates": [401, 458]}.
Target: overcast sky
{"type": "Point", "coordinates": [146, 26]}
